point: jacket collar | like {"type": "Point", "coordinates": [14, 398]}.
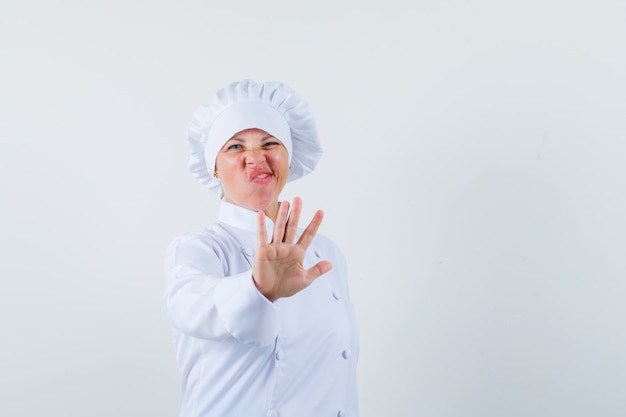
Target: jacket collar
{"type": "Point", "coordinates": [242, 218]}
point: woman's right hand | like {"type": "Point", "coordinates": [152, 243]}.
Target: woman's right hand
{"type": "Point", "coordinates": [278, 269]}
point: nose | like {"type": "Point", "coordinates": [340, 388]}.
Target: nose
{"type": "Point", "coordinates": [255, 156]}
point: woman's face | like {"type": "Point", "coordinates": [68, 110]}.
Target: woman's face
{"type": "Point", "coordinates": [253, 167]}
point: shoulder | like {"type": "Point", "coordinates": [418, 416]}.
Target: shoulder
{"type": "Point", "coordinates": [328, 248]}
{"type": "Point", "coordinates": [191, 238]}
{"type": "Point", "coordinates": [323, 240]}
{"type": "Point", "coordinates": [210, 251]}
{"type": "Point", "coordinates": [210, 240]}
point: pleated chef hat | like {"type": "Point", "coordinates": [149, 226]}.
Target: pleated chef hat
{"type": "Point", "coordinates": [270, 106]}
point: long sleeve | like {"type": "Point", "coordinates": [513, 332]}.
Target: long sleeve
{"type": "Point", "coordinates": [240, 354]}
{"type": "Point", "coordinates": [203, 302]}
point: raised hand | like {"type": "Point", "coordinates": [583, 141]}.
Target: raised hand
{"type": "Point", "coordinates": [278, 269]}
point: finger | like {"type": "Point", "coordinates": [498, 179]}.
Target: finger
{"type": "Point", "coordinates": [318, 270]}
{"type": "Point", "coordinates": [292, 221]}
{"type": "Point", "coordinates": [309, 233]}
{"type": "Point", "coordinates": [260, 227]}
{"type": "Point", "coordinates": [281, 221]}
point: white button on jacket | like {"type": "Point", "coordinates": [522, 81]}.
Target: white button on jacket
{"type": "Point", "coordinates": [242, 355]}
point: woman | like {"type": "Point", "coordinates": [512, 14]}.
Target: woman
{"type": "Point", "coordinates": [262, 322]}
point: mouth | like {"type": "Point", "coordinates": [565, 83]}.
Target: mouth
{"type": "Point", "coordinates": [260, 177]}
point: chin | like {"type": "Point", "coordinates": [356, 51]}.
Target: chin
{"type": "Point", "coordinates": [256, 204]}
{"type": "Point", "coordinates": [261, 206]}
{"type": "Point", "coordinates": [253, 199]}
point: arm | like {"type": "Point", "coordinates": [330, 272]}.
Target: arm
{"type": "Point", "coordinates": [201, 302]}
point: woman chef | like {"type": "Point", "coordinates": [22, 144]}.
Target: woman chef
{"type": "Point", "coordinates": [262, 322]}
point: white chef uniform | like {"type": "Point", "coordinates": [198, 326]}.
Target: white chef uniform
{"type": "Point", "coordinates": [240, 354]}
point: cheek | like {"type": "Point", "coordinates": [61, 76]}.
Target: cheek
{"type": "Point", "coordinates": [225, 164]}
{"type": "Point", "coordinates": [281, 165]}
{"type": "Point", "coordinates": [281, 160]}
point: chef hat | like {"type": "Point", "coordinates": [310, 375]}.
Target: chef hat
{"type": "Point", "coordinates": [270, 106]}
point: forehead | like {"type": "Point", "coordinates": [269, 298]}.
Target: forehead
{"type": "Point", "coordinates": [252, 133]}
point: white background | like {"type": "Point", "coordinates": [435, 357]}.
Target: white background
{"type": "Point", "coordinates": [474, 177]}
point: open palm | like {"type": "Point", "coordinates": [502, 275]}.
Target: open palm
{"type": "Point", "coordinates": [278, 268]}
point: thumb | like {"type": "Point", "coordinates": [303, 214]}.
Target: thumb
{"type": "Point", "coordinates": [318, 269]}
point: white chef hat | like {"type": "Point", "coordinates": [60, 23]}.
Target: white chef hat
{"type": "Point", "coordinates": [270, 106]}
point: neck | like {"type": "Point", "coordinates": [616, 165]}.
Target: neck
{"type": "Point", "coordinates": [272, 211]}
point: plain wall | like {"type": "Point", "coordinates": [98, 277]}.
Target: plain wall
{"type": "Point", "coordinates": [474, 177]}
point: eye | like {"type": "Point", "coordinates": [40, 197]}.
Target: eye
{"type": "Point", "coordinates": [234, 146]}
{"type": "Point", "coordinates": [271, 143]}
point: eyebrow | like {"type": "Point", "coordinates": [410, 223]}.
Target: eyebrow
{"type": "Point", "coordinates": [238, 139]}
